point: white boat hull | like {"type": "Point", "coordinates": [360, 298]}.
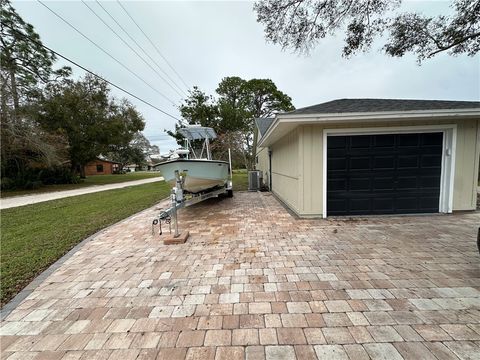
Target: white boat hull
{"type": "Point", "coordinates": [200, 175]}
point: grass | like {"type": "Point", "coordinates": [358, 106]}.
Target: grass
{"type": "Point", "coordinates": [240, 180]}
{"type": "Point", "coordinates": [35, 236]}
{"type": "Point", "coordinates": [89, 181]}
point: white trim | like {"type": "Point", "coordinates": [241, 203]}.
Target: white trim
{"type": "Point", "coordinates": [382, 114]}
{"type": "Point", "coordinates": [448, 157]}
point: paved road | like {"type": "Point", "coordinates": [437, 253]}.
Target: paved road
{"type": "Point", "coordinates": [36, 198]}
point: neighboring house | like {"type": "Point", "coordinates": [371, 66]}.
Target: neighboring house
{"type": "Point", "coordinates": [101, 167]}
{"type": "Point", "coordinates": [131, 167]}
{"type": "Point", "coordinates": [373, 156]}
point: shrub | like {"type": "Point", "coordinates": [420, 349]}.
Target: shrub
{"type": "Point", "coordinates": [7, 184]}
{"type": "Point", "coordinates": [58, 175]}
{"type": "Point", "coordinates": [32, 185]}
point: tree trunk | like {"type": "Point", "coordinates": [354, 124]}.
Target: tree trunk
{"type": "Point", "coordinates": [13, 84]}
{"type": "Point", "coordinates": [79, 169]}
{"type": "Point", "coordinates": [245, 161]}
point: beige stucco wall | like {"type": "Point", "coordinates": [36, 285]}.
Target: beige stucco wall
{"type": "Point", "coordinates": [297, 164]}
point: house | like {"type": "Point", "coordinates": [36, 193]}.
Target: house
{"type": "Point", "coordinates": [101, 166]}
{"type": "Point", "coordinates": [131, 167]}
{"type": "Point", "coordinates": [373, 156]}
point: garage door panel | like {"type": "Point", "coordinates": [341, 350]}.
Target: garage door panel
{"type": "Point", "coordinates": [383, 205]}
{"type": "Point", "coordinates": [431, 161]}
{"type": "Point", "coordinates": [338, 206]}
{"type": "Point", "coordinates": [430, 182]}
{"type": "Point", "coordinates": [407, 182]}
{"type": "Point", "coordinates": [359, 183]}
{"type": "Point", "coordinates": [432, 139]}
{"type": "Point", "coordinates": [409, 140]}
{"type": "Point", "coordinates": [407, 204]}
{"type": "Point", "coordinates": [429, 202]}
{"type": "Point", "coordinates": [375, 174]}
{"type": "Point", "coordinates": [408, 161]}
{"type": "Point", "coordinates": [384, 183]}
{"type": "Point", "coordinates": [361, 141]}
{"type": "Point", "coordinates": [337, 184]}
{"type": "Point", "coordinates": [385, 162]}
{"type": "Point", "coordinates": [359, 162]}
{"type": "Point", "coordinates": [360, 204]}
{"type": "Point", "coordinates": [384, 141]}
{"type": "Point", "coordinates": [337, 163]}
{"type": "Point", "coordinates": [337, 142]}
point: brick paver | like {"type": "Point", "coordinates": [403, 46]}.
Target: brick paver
{"type": "Point", "coordinates": [252, 282]}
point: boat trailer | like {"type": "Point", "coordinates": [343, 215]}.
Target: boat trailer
{"type": "Point", "coordinates": [180, 199]}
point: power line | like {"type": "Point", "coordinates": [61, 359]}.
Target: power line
{"type": "Point", "coordinates": [90, 72]}
{"type": "Point", "coordinates": [151, 42]}
{"type": "Point", "coordinates": [136, 53]}
{"type": "Point", "coordinates": [107, 53]}
{"type": "Point", "coordinates": [139, 46]}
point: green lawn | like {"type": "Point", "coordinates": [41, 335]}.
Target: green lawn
{"type": "Point", "coordinates": [240, 180]}
{"type": "Point", "coordinates": [89, 181]}
{"type": "Point", "coordinates": [35, 236]}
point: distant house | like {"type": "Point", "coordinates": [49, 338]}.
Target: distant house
{"type": "Point", "coordinates": [373, 156]}
{"type": "Point", "coordinates": [131, 167]}
{"type": "Point", "coordinates": [102, 167]}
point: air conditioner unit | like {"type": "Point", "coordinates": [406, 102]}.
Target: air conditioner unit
{"type": "Point", "coordinates": [254, 180]}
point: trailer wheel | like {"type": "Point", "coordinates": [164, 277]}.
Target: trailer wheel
{"type": "Point", "coordinates": [230, 193]}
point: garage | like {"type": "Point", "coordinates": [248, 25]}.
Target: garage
{"type": "Point", "coordinates": [384, 174]}
{"type": "Point", "coordinates": [357, 157]}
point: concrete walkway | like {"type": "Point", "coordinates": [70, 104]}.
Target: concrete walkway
{"type": "Point", "coordinates": [15, 201]}
{"type": "Point", "coordinates": [252, 282]}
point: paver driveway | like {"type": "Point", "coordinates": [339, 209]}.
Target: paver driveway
{"type": "Point", "coordinates": [253, 282]}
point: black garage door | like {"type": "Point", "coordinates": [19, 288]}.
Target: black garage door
{"type": "Point", "coordinates": [383, 174]}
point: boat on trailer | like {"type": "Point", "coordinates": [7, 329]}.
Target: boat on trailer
{"type": "Point", "coordinates": [193, 177]}
{"type": "Point", "coordinates": [199, 172]}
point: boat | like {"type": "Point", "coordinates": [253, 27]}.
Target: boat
{"type": "Point", "coordinates": [200, 173]}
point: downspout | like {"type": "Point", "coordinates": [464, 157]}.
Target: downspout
{"type": "Point", "coordinates": [270, 169]}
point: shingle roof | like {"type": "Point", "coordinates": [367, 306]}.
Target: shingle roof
{"type": "Point", "coordinates": [263, 124]}
{"type": "Point", "coordinates": [379, 105]}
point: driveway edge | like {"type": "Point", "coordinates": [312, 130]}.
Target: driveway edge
{"type": "Point", "coordinates": [27, 290]}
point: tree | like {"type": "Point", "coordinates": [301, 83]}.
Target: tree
{"type": "Point", "coordinates": [300, 24]}
{"type": "Point", "coordinates": [93, 122]}
{"type": "Point", "coordinates": [197, 109]}
{"type": "Point", "coordinates": [233, 113]}
{"type": "Point", "coordinates": [242, 101]}
{"type": "Point", "coordinates": [136, 152]}
{"type": "Point", "coordinates": [25, 67]}
{"type": "Point", "coordinates": [24, 61]}
{"type": "Point", "coordinates": [263, 100]}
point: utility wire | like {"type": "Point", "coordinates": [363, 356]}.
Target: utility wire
{"type": "Point", "coordinates": [89, 71]}
{"type": "Point", "coordinates": [151, 42]}
{"type": "Point", "coordinates": [107, 53]}
{"type": "Point", "coordinates": [139, 46]}
{"type": "Point", "coordinates": [136, 53]}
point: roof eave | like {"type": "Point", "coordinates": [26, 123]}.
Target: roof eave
{"type": "Point", "coordinates": [362, 116]}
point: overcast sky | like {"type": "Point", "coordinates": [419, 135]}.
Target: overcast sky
{"type": "Point", "coordinates": [206, 41]}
